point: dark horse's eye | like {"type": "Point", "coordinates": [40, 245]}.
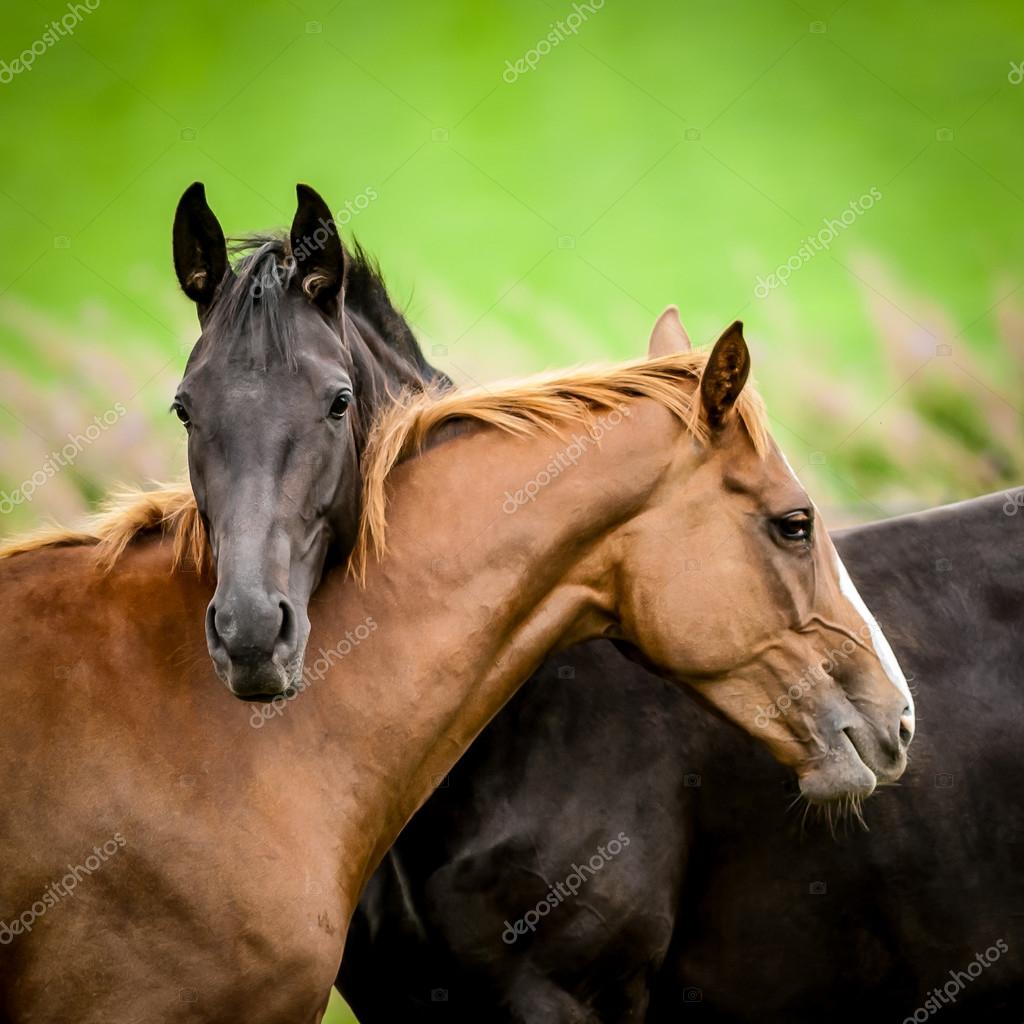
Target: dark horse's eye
{"type": "Point", "coordinates": [340, 405]}
{"type": "Point", "coordinates": [795, 526]}
{"type": "Point", "coordinates": [179, 410]}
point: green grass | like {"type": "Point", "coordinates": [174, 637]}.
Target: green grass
{"type": "Point", "coordinates": [668, 152]}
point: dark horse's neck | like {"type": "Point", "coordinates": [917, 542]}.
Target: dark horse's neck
{"type": "Point", "coordinates": [947, 587]}
{"type": "Point", "coordinates": [953, 552]}
{"type": "Point", "coordinates": [387, 359]}
{"type": "Point", "coordinates": [382, 370]}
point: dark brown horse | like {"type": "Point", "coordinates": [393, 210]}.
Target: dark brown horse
{"type": "Point", "coordinates": [215, 866]}
{"type": "Point", "coordinates": [728, 906]}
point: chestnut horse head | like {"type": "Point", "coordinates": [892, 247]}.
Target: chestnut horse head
{"type": "Point", "coordinates": [717, 570]}
{"type": "Point", "coordinates": [277, 397]}
{"type": "Point", "coordinates": [777, 638]}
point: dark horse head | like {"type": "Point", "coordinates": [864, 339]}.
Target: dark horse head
{"type": "Point", "coordinates": [300, 347]}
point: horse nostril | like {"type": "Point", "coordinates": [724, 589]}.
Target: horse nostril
{"type": "Point", "coordinates": [288, 633]}
{"type": "Point", "coordinates": [906, 727]}
{"type": "Point", "coordinates": [213, 637]}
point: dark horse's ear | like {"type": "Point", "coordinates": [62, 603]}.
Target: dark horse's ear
{"type": "Point", "coordinates": [725, 374]}
{"type": "Point", "coordinates": [317, 250]}
{"type": "Point", "coordinates": [200, 252]}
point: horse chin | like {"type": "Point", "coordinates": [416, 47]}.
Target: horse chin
{"type": "Point", "coordinates": [840, 774]}
{"type": "Point", "coordinates": [264, 682]}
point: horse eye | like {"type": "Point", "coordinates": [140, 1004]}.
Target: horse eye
{"type": "Point", "coordinates": [340, 405]}
{"type": "Point", "coordinates": [795, 526]}
{"type": "Point", "coordinates": [179, 410]}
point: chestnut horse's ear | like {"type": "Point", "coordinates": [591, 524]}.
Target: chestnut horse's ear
{"type": "Point", "coordinates": [317, 250]}
{"type": "Point", "coordinates": [200, 252]}
{"type": "Point", "coordinates": [668, 336]}
{"type": "Point", "coordinates": [725, 374]}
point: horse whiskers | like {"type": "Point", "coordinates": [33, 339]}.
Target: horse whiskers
{"type": "Point", "coordinates": [842, 810]}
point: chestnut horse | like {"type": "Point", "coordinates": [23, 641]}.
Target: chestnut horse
{"type": "Point", "coordinates": [215, 867]}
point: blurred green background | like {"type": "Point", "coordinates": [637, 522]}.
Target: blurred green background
{"type": "Point", "coordinates": [656, 152]}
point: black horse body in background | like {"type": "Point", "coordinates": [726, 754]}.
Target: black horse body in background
{"type": "Point", "coordinates": [724, 904]}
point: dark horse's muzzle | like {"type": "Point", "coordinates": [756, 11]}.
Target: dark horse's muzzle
{"type": "Point", "coordinates": [256, 641]}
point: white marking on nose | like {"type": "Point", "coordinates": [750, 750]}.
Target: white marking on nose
{"type": "Point", "coordinates": [885, 653]}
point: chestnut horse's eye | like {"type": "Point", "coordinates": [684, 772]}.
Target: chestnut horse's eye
{"type": "Point", "coordinates": [180, 411]}
{"type": "Point", "coordinates": [340, 405]}
{"type": "Point", "coordinates": [797, 526]}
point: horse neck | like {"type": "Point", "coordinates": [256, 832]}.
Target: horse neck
{"type": "Point", "coordinates": [471, 596]}
{"type": "Point", "coordinates": [394, 364]}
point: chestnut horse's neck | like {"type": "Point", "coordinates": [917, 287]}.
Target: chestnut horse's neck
{"type": "Point", "coordinates": [498, 551]}
{"type": "Point", "coordinates": [253, 827]}
{"type": "Point", "coordinates": [505, 542]}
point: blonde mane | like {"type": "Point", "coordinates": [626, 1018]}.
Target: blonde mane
{"type": "Point", "coordinates": [547, 403]}
{"type": "Point", "coordinates": [126, 515]}
{"type": "Point", "coordinates": [538, 404]}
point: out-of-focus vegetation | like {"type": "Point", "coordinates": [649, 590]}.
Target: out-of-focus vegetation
{"type": "Point", "coordinates": [532, 218]}
{"type": "Point", "coordinates": [659, 152]}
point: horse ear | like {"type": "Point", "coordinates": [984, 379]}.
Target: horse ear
{"type": "Point", "coordinates": [668, 336]}
{"type": "Point", "coordinates": [317, 250]}
{"type": "Point", "coordinates": [200, 252]}
{"type": "Point", "coordinates": [725, 374]}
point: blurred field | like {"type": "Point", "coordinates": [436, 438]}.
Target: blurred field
{"type": "Point", "coordinates": [665, 152]}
